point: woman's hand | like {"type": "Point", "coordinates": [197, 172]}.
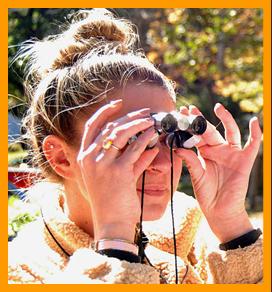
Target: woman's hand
{"type": "Point", "coordinates": [109, 176]}
{"type": "Point", "coordinates": [220, 173]}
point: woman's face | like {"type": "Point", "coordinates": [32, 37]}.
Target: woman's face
{"type": "Point", "coordinates": [157, 178]}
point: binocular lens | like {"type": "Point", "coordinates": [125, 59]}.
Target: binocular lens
{"type": "Point", "coordinates": [169, 123]}
{"type": "Point", "coordinates": [199, 125]}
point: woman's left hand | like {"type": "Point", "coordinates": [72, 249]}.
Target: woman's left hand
{"type": "Point", "coordinates": [220, 173]}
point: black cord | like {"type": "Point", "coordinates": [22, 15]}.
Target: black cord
{"type": "Point", "coordinates": [52, 235]}
{"type": "Point", "coordinates": [141, 246]}
{"type": "Point", "coordinates": [172, 210]}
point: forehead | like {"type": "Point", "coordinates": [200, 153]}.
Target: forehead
{"type": "Point", "coordinates": [134, 97]}
{"type": "Point", "coordinates": [140, 96]}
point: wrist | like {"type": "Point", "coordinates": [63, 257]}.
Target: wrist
{"type": "Point", "coordinates": [120, 230]}
{"type": "Point", "coordinates": [227, 229]}
{"type": "Point", "coordinates": [242, 241]}
{"type": "Point", "coordinates": [115, 244]}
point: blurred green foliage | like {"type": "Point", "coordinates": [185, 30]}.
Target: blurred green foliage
{"type": "Point", "coordinates": [213, 55]}
{"type": "Point", "coordinates": [20, 213]}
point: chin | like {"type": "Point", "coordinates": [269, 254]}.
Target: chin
{"type": "Point", "coordinates": [154, 210]}
{"type": "Point", "coordinates": [155, 204]}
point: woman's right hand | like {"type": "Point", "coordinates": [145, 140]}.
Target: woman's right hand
{"type": "Point", "coordinates": [110, 176]}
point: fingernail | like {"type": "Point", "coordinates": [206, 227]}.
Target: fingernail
{"type": "Point", "coordinates": [113, 102]}
{"type": "Point", "coordinates": [146, 109]}
{"type": "Point", "coordinates": [217, 105]}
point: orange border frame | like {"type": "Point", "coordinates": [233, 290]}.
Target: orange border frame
{"type": "Point", "coordinates": [266, 5]}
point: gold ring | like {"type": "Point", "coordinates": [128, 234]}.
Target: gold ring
{"type": "Point", "coordinates": [108, 143]}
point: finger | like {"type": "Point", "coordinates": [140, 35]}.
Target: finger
{"type": "Point", "coordinates": [195, 165]}
{"type": "Point", "coordinates": [120, 135]}
{"type": "Point", "coordinates": [184, 110]}
{"type": "Point", "coordinates": [97, 120]}
{"type": "Point", "coordinates": [210, 152]}
{"type": "Point", "coordinates": [193, 110]}
{"type": "Point", "coordinates": [144, 161]}
{"type": "Point", "coordinates": [211, 136]}
{"type": "Point", "coordinates": [232, 132]}
{"type": "Point", "coordinates": [135, 149]}
{"type": "Point", "coordinates": [107, 130]}
{"type": "Point", "coordinates": [145, 112]}
{"type": "Point", "coordinates": [252, 145]}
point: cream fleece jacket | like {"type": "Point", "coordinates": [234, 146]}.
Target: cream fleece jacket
{"type": "Point", "coordinates": [34, 256]}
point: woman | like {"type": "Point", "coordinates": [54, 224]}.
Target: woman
{"type": "Point", "coordinates": [91, 91]}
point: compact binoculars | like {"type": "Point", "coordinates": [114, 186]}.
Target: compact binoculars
{"type": "Point", "coordinates": [178, 130]}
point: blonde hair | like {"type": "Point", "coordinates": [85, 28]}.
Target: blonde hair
{"type": "Point", "coordinates": [69, 73]}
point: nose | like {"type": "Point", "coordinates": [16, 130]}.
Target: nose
{"type": "Point", "coordinates": [162, 162]}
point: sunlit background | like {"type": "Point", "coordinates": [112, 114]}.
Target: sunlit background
{"type": "Point", "coordinates": [213, 55]}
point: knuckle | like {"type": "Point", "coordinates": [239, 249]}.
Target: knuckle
{"type": "Point", "coordinates": [110, 125]}
{"type": "Point", "coordinates": [113, 135]}
{"type": "Point", "coordinates": [105, 131]}
{"type": "Point", "coordinates": [119, 131]}
{"type": "Point", "coordinates": [130, 115]}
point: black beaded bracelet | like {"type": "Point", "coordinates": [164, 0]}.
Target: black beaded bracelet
{"type": "Point", "coordinates": [242, 241]}
{"type": "Point", "coordinates": [120, 254]}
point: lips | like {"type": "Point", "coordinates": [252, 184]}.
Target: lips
{"type": "Point", "coordinates": [153, 190]}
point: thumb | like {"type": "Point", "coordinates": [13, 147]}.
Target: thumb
{"type": "Point", "coordinates": [194, 163]}
{"type": "Point", "coordinates": [144, 161]}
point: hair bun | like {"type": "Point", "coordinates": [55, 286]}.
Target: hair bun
{"type": "Point", "coordinates": [94, 30]}
{"type": "Point", "coordinates": [101, 23]}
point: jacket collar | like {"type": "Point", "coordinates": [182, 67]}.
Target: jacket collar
{"type": "Point", "coordinates": [71, 237]}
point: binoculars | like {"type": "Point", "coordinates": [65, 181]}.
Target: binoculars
{"type": "Point", "coordinates": [178, 131]}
